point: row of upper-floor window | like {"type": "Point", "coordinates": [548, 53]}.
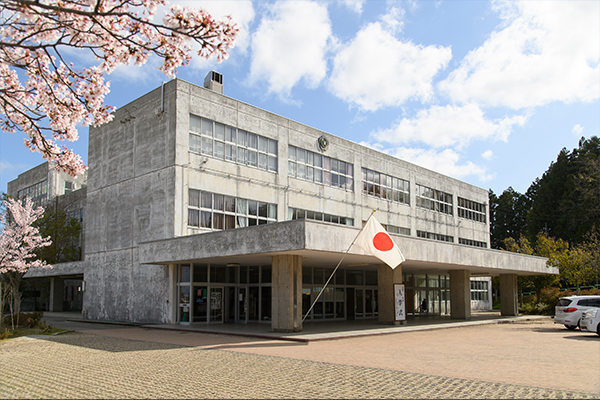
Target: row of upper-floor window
{"type": "Point", "coordinates": [221, 212]}
{"type": "Point", "coordinates": [37, 192]}
{"type": "Point", "coordinates": [218, 212]}
{"type": "Point", "coordinates": [225, 142]}
{"type": "Point", "coordinates": [314, 167]}
{"type": "Point", "coordinates": [228, 143]}
{"type": "Point", "coordinates": [297, 213]}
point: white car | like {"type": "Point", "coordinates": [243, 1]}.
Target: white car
{"type": "Point", "coordinates": [569, 310]}
{"type": "Point", "coordinates": [590, 322]}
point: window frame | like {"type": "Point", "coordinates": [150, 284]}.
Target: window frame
{"type": "Point", "coordinates": [224, 212]}
{"type": "Point", "coordinates": [225, 142]}
{"type": "Point", "coordinates": [315, 167]}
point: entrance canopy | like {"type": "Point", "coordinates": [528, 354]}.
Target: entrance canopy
{"type": "Point", "coordinates": [322, 244]}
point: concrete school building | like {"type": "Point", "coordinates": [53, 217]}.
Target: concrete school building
{"type": "Point", "coordinates": [201, 209]}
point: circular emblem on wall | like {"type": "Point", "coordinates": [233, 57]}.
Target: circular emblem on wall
{"type": "Point", "coordinates": [323, 143]}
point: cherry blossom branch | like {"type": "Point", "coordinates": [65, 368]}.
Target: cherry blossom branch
{"type": "Point", "coordinates": [54, 96]}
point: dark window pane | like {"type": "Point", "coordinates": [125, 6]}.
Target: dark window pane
{"type": "Point", "coordinates": [193, 217]}
{"type": "Point", "coordinates": [230, 203]}
{"type": "Point", "coordinates": [206, 200]}
{"type": "Point", "coordinates": [219, 202]}
{"type": "Point", "coordinates": [200, 272]}
{"type": "Point", "coordinates": [206, 219]}
{"type": "Point", "coordinates": [229, 221]}
{"type": "Point", "coordinates": [252, 208]}
{"type": "Point", "coordinates": [218, 222]}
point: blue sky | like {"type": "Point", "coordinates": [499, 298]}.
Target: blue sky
{"type": "Point", "coordinates": [487, 92]}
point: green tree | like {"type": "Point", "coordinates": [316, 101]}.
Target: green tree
{"type": "Point", "coordinates": [508, 216]}
{"type": "Point", "coordinates": [65, 234]}
{"type": "Point", "coordinates": [580, 266]}
{"type": "Point", "coordinates": [566, 199]}
{"type": "Point", "coordinates": [544, 246]}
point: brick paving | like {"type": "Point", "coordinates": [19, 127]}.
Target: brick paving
{"type": "Point", "coordinates": [78, 365]}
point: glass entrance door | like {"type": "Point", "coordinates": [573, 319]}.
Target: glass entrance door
{"type": "Point", "coordinates": [200, 303]}
{"type": "Point", "coordinates": [242, 305]}
{"type": "Point", "coordinates": [216, 304]}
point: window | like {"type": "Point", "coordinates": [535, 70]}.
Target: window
{"type": "Point", "coordinates": [397, 229]}
{"type": "Point", "coordinates": [314, 167]}
{"type": "Point", "coordinates": [296, 213]}
{"type": "Point", "coordinates": [469, 242]}
{"type": "Point", "coordinates": [435, 236]}
{"type": "Point", "coordinates": [213, 139]}
{"type": "Point", "coordinates": [69, 187]}
{"type": "Point", "coordinates": [220, 212]}
{"type": "Point", "coordinates": [434, 200]}
{"type": "Point", "coordinates": [471, 210]}
{"type": "Point", "coordinates": [480, 290]}
{"type": "Point", "coordinates": [385, 186]}
{"type": "Point", "coordinates": [37, 192]}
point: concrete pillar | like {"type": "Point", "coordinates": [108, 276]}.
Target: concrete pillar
{"type": "Point", "coordinates": [171, 306]}
{"type": "Point", "coordinates": [460, 294]}
{"type": "Point", "coordinates": [386, 277]}
{"type": "Point", "coordinates": [57, 287]}
{"type": "Point", "coordinates": [509, 295]}
{"type": "Point", "coordinates": [286, 300]}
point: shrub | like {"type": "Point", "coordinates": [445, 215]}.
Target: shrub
{"type": "Point", "coordinates": [44, 327]}
{"type": "Point", "coordinates": [5, 335]}
{"type": "Point", "coordinates": [536, 309]}
{"type": "Point", "coordinates": [24, 320]}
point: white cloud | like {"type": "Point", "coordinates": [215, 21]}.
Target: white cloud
{"type": "Point", "coordinates": [577, 129]}
{"type": "Point", "coordinates": [6, 166]}
{"type": "Point", "coordinates": [393, 21]}
{"type": "Point", "coordinates": [544, 51]}
{"type": "Point", "coordinates": [377, 70]}
{"type": "Point", "coordinates": [447, 162]}
{"type": "Point", "coordinates": [353, 5]}
{"type": "Point", "coordinates": [488, 154]}
{"type": "Point", "coordinates": [240, 11]}
{"type": "Point", "coordinates": [449, 126]}
{"type": "Point", "coordinates": [290, 45]}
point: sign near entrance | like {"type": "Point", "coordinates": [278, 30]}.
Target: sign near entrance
{"type": "Point", "coordinates": [399, 302]}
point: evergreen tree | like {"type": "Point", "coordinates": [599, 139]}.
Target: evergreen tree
{"type": "Point", "coordinates": [566, 200]}
{"type": "Point", "coordinates": [508, 216]}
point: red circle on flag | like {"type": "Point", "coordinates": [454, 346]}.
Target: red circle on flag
{"type": "Point", "coordinates": [383, 242]}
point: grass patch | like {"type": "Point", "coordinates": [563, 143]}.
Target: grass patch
{"type": "Point", "coordinates": [27, 324]}
{"type": "Point", "coordinates": [10, 334]}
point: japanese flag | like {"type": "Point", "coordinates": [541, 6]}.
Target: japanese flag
{"type": "Point", "coordinates": [375, 240]}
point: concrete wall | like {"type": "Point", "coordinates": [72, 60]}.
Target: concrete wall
{"type": "Point", "coordinates": [130, 199]}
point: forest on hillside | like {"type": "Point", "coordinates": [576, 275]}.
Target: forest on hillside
{"type": "Point", "coordinates": [558, 218]}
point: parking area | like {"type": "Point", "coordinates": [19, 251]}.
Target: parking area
{"type": "Point", "coordinates": [528, 359]}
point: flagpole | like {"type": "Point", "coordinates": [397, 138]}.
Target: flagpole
{"type": "Point", "coordinates": [333, 273]}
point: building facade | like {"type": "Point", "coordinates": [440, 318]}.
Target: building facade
{"type": "Point", "coordinates": [204, 209]}
{"type": "Point", "coordinates": [49, 187]}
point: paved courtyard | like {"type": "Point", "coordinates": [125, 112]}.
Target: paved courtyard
{"type": "Point", "coordinates": [534, 359]}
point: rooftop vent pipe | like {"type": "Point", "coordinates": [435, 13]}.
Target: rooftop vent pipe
{"type": "Point", "coordinates": [214, 81]}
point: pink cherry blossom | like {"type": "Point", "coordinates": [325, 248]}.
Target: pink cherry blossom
{"type": "Point", "coordinates": [19, 239]}
{"type": "Point", "coordinates": [52, 97]}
